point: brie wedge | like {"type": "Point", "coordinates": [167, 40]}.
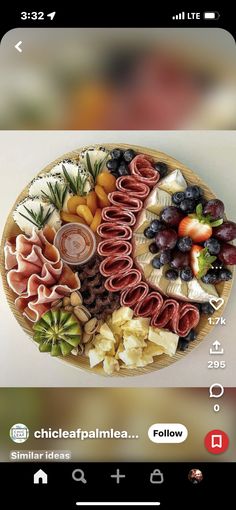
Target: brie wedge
{"type": "Point", "coordinates": [173, 182]}
{"type": "Point", "coordinates": [200, 292]}
{"type": "Point", "coordinates": [157, 279]}
{"type": "Point", "coordinates": [140, 244]}
{"type": "Point", "coordinates": [143, 221]}
{"type": "Point", "coordinates": [178, 289]}
{"type": "Point", "coordinates": [165, 339]}
{"type": "Point", "coordinates": [157, 200]}
{"type": "Point", "coordinates": [143, 262]}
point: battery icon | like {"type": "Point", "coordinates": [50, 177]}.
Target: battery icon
{"type": "Point", "coordinates": [211, 15]}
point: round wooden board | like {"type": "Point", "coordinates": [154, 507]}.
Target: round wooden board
{"type": "Point", "coordinates": [82, 362]}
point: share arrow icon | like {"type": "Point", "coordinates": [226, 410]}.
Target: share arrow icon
{"type": "Point", "coordinates": [215, 349]}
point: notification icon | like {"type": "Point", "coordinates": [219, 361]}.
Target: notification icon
{"type": "Point", "coordinates": [216, 441]}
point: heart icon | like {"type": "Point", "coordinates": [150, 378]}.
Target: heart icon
{"type": "Point", "coordinates": [217, 303]}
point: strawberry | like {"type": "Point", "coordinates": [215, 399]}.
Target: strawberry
{"type": "Point", "coordinates": [200, 260]}
{"type": "Point", "coordinates": [197, 226]}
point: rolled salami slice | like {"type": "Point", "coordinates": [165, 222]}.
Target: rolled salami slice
{"type": "Point", "coordinates": [115, 265]}
{"type": "Point", "coordinates": [133, 295]}
{"type": "Point", "coordinates": [141, 167]}
{"type": "Point", "coordinates": [167, 316]}
{"type": "Point", "coordinates": [116, 214]}
{"type": "Point", "coordinates": [129, 184]}
{"type": "Point", "coordinates": [121, 199]}
{"type": "Point", "coordinates": [114, 247]}
{"type": "Point", "coordinates": [114, 231]}
{"type": "Point", "coordinates": [150, 305]}
{"type": "Point", "coordinates": [121, 281]}
{"type": "Point", "coordinates": [188, 318]}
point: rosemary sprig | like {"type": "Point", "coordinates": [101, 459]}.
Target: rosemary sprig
{"type": "Point", "coordinates": [37, 218]}
{"type": "Point", "coordinates": [95, 169]}
{"type": "Point", "coordinates": [77, 183]}
{"type": "Point", "coordinates": [57, 194]}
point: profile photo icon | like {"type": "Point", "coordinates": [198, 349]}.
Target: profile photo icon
{"type": "Point", "coordinates": [19, 433]}
{"type": "Point", "coordinates": [195, 476]}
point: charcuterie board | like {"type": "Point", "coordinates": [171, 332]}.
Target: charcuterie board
{"type": "Point", "coordinates": [109, 259]}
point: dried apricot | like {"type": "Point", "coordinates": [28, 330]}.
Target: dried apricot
{"type": "Point", "coordinates": [91, 200]}
{"type": "Point", "coordinates": [102, 196]}
{"type": "Point", "coordinates": [73, 203]}
{"type": "Point", "coordinates": [85, 213]}
{"type": "Point", "coordinates": [96, 220]}
{"type": "Point", "coordinates": [71, 218]}
{"type": "Point", "coordinates": [107, 181]}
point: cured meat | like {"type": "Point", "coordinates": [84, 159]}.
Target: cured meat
{"type": "Point", "coordinates": [119, 215]}
{"type": "Point", "coordinates": [167, 316]}
{"type": "Point", "coordinates": [107, 248]}
{"type": "Point", "coordinates": [121, 199]}
{"type": "Point", "coordinates": [112, 231]}
{"type": "Point", "coordinates": [129, 184]}
{"type": "Point", "coordinates": [133, 295]}
{"type": "Point", "coordinates": [39, 276]}
{"type": "Point", "coordinates": [121, 281]}
{"type": "Point", "coordinates": [141, 166]}
{"type": "Point", "coordinates": [188, 318]}
{"type": "Point", "coordinates": [150, 305]}
{"type": "Point", "coordinates": [115, 265]}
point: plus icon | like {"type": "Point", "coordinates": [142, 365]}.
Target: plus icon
{"type": "Point", "coordinates": [117, 476]}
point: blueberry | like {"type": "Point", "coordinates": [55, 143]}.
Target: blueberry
{"type": "Point", "coordinates": [224, 275]}
{"type": "Point", "coordinates": [207, 308]}
{"type": "Point", "coordinates": [123, 169]}
{"type": "Point", "coordinates": [188, 205]}
{"type": "Point", "coordinates": [156, 263]}
{"type": "Point", "coordinates": [185, 244]}
{"type": "Point", "coordinates": [182, 344]}
{"type": "Point", "coordinates": [165, 256]}
{"type": "Point", "coordinates": [190, 336]}
{"type": "Point", "coordinates": [112, 164]}
{"type": "Point", "coordinates": [178, 197]}
{"type": "Point", "coordinates": [129, 155]}
{"type": "Point", "coordinates": [193, 192]}
{"type": "Point", "coordinates": [148, 232]}
{"type": "Point", "coordinates": [171, 274]}
{"type": "Point", "coordinates": [213, 246]}
{"type": "Point", "coordinates": [153, 248]}
{"type": "Point", "coordinates": [162, 168]}
{"type": "Point", "coordinates": [186, 274]}
{"type": "Point", "coordinates": [156, 225]}
{"type": "Point", "coordinates": [210, 277]}
{"type": "Point", "coordinates": [116, 153]}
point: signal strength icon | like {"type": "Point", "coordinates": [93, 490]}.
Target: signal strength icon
{"type": "Point", "coordinates": [179, 16]}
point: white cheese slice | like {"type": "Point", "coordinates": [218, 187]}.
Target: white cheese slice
{"type": "Point", "coordinates": [143, 262]}
{"type": "Point", "coordinates": [200, 292]}
{"type": "Point", "coordinates": [157, 279]}
{"type": "Point", "coordinates": [140, 244]}
{"type": "Point", "coordinates": [143, 221]}
{"type": "Point", "coordinates": [177, 289]}
{"type": "Point", "coordinates": [173, 182]}
{"type": "Point", "coordinates": [165, 339]}
{"type": "Point", "coordinates": [157, 200]}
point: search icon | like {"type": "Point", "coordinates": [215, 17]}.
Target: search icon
{"type": "Point", "coordinates": [78, 476]}
{"type": "Point", "coordinates": [216, 390]}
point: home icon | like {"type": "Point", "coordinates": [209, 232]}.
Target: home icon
{"type": "Point", "coordinates": [40, 477]}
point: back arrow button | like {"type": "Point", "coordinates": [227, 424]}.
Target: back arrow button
{"type": "Point", "coordinates": [18, 46]}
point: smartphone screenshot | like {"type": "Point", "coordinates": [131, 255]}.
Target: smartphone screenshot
{"type": "Point", "coordinates": [118, 228]}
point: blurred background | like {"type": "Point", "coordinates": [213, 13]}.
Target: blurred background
{"type": "Point", "coordinates": [134, 410]}
{"type": "Point", "coordinates": [118, 79]}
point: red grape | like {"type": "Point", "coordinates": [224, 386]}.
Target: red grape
{"type": "Point", "coordinates": [172, 216]}
{"type": "Point", "coordinates": [215, 208]}
{"type": "Point", "coordinates": [179, 260]}
{"type": "Point", "coordinates": [227, 254]}
{"type": "Point", "coordinates": [226, 231]}
{"type": "Point", "coordinates": [166, 239]}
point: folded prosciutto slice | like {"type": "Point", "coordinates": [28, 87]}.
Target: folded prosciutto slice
{"type": "Point", "coordinates": [142, 167]}
{"type": "Point", "coordinates": [36, 272]}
